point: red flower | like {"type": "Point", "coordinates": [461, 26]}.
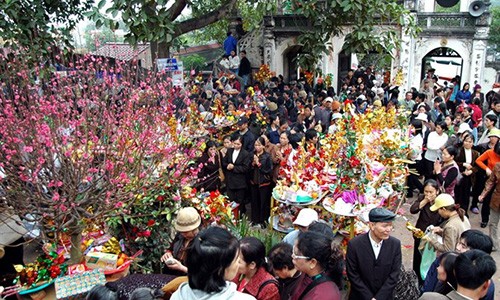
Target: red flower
{"type": "Point", "coordinates": [151, 222]}
{"type": "Point", "coordinates": [160, 198]}
{"type": "Point", "coordinates": [354, 162]}
{"type": "Point", "coordinates": [146, 233]}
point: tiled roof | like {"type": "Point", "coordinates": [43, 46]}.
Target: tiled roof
{"type": "Point", "coordinates": [121, 51]}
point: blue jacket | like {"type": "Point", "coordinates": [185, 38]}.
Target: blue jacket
{"type": "Point", "coordinates": [230, 44]}
{"type": "Point", "coordinates": [463, 95]}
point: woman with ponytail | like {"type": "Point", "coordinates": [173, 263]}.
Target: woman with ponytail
{"type": "Point", "coordinates": [455, 223]}
{"type": "Point", "coordinates": [321, 263]}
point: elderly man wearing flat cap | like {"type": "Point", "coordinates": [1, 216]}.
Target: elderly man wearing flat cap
{"type": "Point", "coordinates": [373, 259]}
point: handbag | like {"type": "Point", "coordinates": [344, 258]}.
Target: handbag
{"type": "Point", "coordinates": [221, 173]}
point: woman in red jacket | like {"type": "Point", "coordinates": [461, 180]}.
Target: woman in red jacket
{"type": "Point", "coordinates": [320, 261]}
{"type": "Point", "coordinates": [253, 278]}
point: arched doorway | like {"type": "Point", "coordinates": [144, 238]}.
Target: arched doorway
{"type": "Point", "coordinates": [446, 61]}
{"type": "Point", "coordinates": [290, 65]}
{"type": "Point", "coordinates": [344, 66]}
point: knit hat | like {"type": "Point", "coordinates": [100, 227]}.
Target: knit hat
{"type": "Point", "coordinates": [187, 219]}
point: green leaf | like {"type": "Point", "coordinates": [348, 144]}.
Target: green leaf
{"type": "Point", "coordinates": [101, 4]}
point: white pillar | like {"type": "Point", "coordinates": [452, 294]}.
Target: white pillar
{"type": "Point", "coordinates": [478, 58]}
{"type": "Point", "coordinates": [407, 60]}
{"type": "Point", "coordinates": [269, 44]}
{"type": "Point", "coordinates": [464, 6]}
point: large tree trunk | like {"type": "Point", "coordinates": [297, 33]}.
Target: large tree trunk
{"type": "Point", "coordinates": [159, 50]}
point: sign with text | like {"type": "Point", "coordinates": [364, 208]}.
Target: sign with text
{"type": "Point", "coordinates": [167, 64]}
{"type": "Point", "coordinates": [178, 75]}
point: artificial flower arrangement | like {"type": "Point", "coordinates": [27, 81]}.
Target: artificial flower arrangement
{"type": "Point", "coordinates": [46, 268]}
{"type": "Point", "coordinates": [214, 207]}
{"type": "Point", "coordinates": [329, 79]}
{"type": "Point", "coordinates": [303, 174]}
{"type": "Point", "coordinates": [264, 73]}
{"type": "Point", "coordinates": [309, 77]}
{"type": "Point", "coordinates": [369, 168]}
{"type": "Point", "coordinates": [361, 165]}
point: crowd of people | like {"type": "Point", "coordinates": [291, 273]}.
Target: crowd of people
{"type": "Point", "coordinates": [454, 143]}
{"type": "Point", "coordinates": [455, 150]}
{"type": "Point", "coordinates": [456, 154]}
{"type": "Point", "coordinates": [211, 263]}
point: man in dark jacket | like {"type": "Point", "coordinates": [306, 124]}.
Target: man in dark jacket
{"type": "Point", "coordinates": [374, 259]}
{"type": "Point", "coordinates": [247, 135]}
{"type": "Point", "coordinates": [236, 165]}
{"type": "Point", "coordinates": [245, 68]}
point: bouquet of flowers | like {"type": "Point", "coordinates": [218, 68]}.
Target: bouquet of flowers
{"type": "Point", "coordinates": [214, 208]}
{"type": "Point", "coordinates": [264, 73]}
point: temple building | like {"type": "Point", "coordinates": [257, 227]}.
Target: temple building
{"type": "Point", "coordinates": [453, 41]}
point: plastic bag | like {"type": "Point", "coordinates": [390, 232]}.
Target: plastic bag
{"type": "Point", "coordinates": [428, 257]}
{"type": "Point", "coordinates": [428, 251]}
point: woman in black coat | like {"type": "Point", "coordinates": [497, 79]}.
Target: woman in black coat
{"type": "Point", "coordinates": [262, 166]}
{"type": "Point", "coordinates": [208, 177]}
{"type": "Point", "coordinates": [466, 159]}
{"type": "Point", "coordinates": [236, 165]}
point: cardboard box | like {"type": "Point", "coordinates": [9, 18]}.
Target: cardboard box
{"type": "Point", "coordinates": [99, 260]}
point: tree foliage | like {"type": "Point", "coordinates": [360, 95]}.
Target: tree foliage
{"type": "Point", "coordinates": [37, 24]}
{"type": "Point", "coordinates": [494, 37]}
{"type": "Point", "coordinates": [160, 21]}
{"type": "Point", "coordinates": [251, 12]}
{"type": "Point", "coordinates": [194, 62]}
{"type": "Point", "coordinates": [364, 22]}
{"type": "Point", "coordinates": [94, 37]}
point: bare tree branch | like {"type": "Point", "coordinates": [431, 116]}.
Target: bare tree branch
{"type": "Point", "coordinates": [204, 20]}
{"type": "Point", "coordinates": [176, 9]}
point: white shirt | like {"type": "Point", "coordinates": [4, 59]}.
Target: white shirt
{"type": "Point", "coordinates": [434, 143]}
{"type": "Point", "coordinates": [416, 143]}
{"type": "Point", "coordinates": [234, 62]}
{"type": "Point", "coordinates": [225, 63]}
{"type": "Point", "coordinates": [468, 155]}
{"type": "Point", "coordinates": [235, 155]}
{"type": "Point", "coordinates": [375, 246]}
